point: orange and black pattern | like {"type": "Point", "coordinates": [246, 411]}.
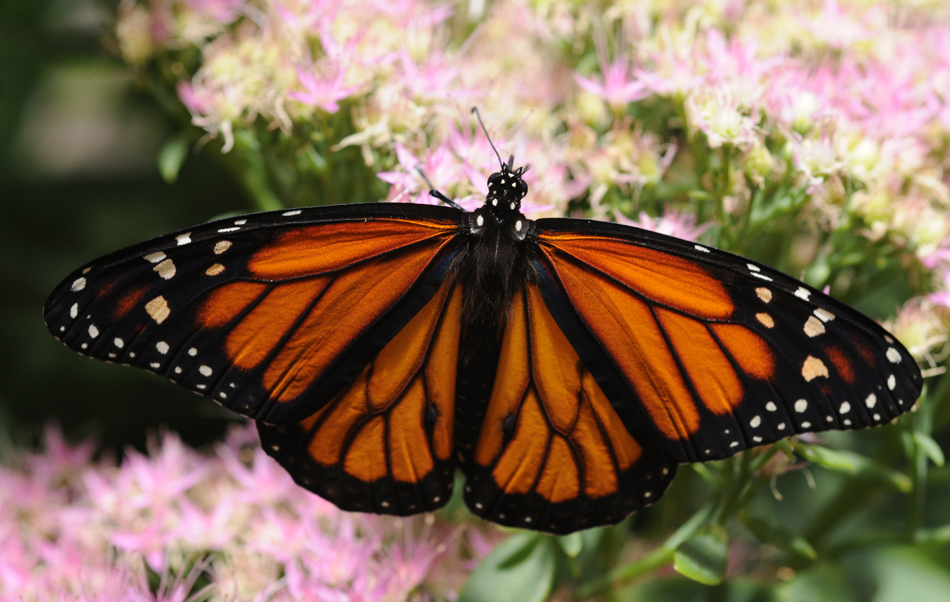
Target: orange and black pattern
{"type": "Point", "coordinates": [564, 366]}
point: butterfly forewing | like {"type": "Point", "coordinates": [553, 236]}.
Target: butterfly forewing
{"type": "Point", "coordinates": [268, 315]}
{"type": "Point", "coordinates": [719, 353]}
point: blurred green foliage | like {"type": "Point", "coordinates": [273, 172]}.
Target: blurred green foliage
{"type": "Point", "coordinates": [78, 178]}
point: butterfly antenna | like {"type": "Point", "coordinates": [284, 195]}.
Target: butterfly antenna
{"type": "Point", "coordinates": [437, 194]}
{"type": "Point", "coordinates": [484, 129]}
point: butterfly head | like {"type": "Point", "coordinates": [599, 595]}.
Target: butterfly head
{"type": "Point", "coordinates": [506, 188]}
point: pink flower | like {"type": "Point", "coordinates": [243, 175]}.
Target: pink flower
{"type": "Point", "coordinates": [324, 92]}
{"type": "Point", "coordinates": [619, 86]}
{"type": "Point", "coordinates": [672, 223]}
{"type": "Point", "coordinates": [223, 11]}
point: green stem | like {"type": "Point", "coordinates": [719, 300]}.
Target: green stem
{"type": "Point", "coordinates": [657, 558]}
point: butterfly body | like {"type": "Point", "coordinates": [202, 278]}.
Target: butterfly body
{"type": "Point", "coordinates": [565, 366]}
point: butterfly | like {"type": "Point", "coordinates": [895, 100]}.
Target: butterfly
{"type": "Point", "coordinates": [565, 366]}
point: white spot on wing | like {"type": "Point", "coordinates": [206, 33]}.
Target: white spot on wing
{"type": "Point", "coordinates": [762, 276]}
{"type": "Point", "coordinates": [214, 270]}
{"type": "Point", "coordinates": [162, 347]}
{"type": "Point", "coordinates": [192, 352]}
{"type": "Point", "coordinates": [765, 319]}
{"type": "Point", "coordinates": [78, 284]}
{"type": "Point", "coordinates": [891, 382]}
{"type": "Point", "coordinates": [824, 315]}
{"type": "Point", "coordinates": [74, 310]}
{"type": "Point", "coordinates": [893, 355]}
{"type": "Point", "coordinates": [183, 239]}
{"type": "Point", "coordinates": [813, 368]}
{"type": "Point", "coordinates": [753, 267]}
{"type": "Point", "coordinates": [701, 248]}
{"type": "Point", "coordinates": [806, 425]}
{"type": "Point", "coordinates": [155, 365]}
{"type": "Point", "coordinates": [814, 327]}
{"type": "Point", "coordinates": [845, 408]}
{"type": "Point", "coordinates": [801, 405]}
{"type": "Point", "coordinates": [802, 293]}
{"type": "Point", "coordinates": [166, 269]}
{"type": "Point", "coordinates": [154, 257]}
{"type": "Point", "coordinates": [290, 213]}
{"type": "Point", "coordinates": [205, 370]}
{"type": "Point", "coordinates": [770, 406]}
{"type": "Point", "coordinates": [764, 294]}
{"type": "Point", "coordinates": [93, 331]}
{"type": "Point", "coordinates": [755, 422]}
{"type": "Point", "coordinates": [226, 230]}
{"type": "Point", "coordinates": [221, 246]}
{"type": "Point", "coordinates": [119, 343]}
{"type": "Point", "coordinates": [157, 309]}
{"type": "Point", "coordinates": [871, 400]}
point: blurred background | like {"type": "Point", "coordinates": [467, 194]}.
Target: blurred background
{"type": "Point", "coordinates": [79, 142]}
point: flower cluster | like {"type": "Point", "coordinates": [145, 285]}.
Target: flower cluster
{"type": "Point", "coordinates": [177, 525]}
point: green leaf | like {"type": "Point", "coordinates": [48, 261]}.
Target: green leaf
{"type": "Point", "coordinates": [704, 558]}
{"type": "Point", "coordinates": [778, 536]}
{"type": "Point", "coordinates": [171, 157]}
{"type": "Point", "coordinates": [855, 464]}
{"type": "Point", "coordinates": [571, 544]}
{"type": "Point", "coordinates": [929, 447]}
{"type": "Point", "coordinates": [520, 569]}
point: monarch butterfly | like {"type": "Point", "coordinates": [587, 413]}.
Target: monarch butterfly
{"type": "Point", "coordinates": [566, 366]}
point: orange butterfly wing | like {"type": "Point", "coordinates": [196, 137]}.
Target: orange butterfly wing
{"type": "Point", "coordinates": [384, 444]}
{"type": "Point", "coordinates": [269, 316]}
{"type": "Point", "coordinates": [707, 353]}
{"type": "Point", "coordinates": [553, 454]}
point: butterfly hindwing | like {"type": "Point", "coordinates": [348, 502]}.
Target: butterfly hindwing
{"type": "Point", "coordinates": [553, 454]}
{"type": "Point", "coordinates": [269, 314]}
{"type": "Point", "coordinates": [717, 353]}
{"type": "Point", "coordinates": [385, 443]}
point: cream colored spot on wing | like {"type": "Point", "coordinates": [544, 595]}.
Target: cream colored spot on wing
{"type": "Point", "coordinates": [762, 276]}
{"type": "Point", "coordinates": [824, 315]}
{"type": "Point", "coordinates": [157, 308]}
{"type": "Point", "coordinates": [214, 270]}
{"type": "Point", "coordinates": [78, 284]}
{"type": "Point", "coordinates": [701, 248]}
{"type": "Point", "coordinates": [764, 294]}
{"type": "Point", "coordinates": [166, 269]}
{"type": "Point", "coordinates": [183, 239]}
{"type": "Point", "coordinates": [893, 355]}
{"type": "Point", "coordinates": [802, 293]}
{"type": "Point", "coordinates": [801, 405]}
{"type": "Point", "coordinates": [765, 319]}
{"type": "Point", "coordinates": [205, 370]}
{"type": "Point", "coordinates": [74, 310]}
{"type": "Point", "coordinates": [845, 408]}
{"type": "Point", "coordinates": [871, 401]}
{"type": "Point", "coordinates": [814, 327]}
{"type": "Point", "coordinates": [119, 343]}
{"type": "Point", "coordinates": [162, 347]}
{"type": "Point", "coordinates": [770, 406]}
{"type": "Point", "coordinates": [240, 222]}
{"type": "Point", "coordinates": [221, 246]}
{"type": "Point", "coordinates": [813, 368]}
{"type": "Point", "coordinates": [290, 213]}
{"type": "Point", "coordinates": [755, 422]}
{"type": "Point", "coordinates": [154, 257]}
{"type": "Point", "coordinates": [93, 331]}
{"type": "Point", "coordinates": [891, 382]}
